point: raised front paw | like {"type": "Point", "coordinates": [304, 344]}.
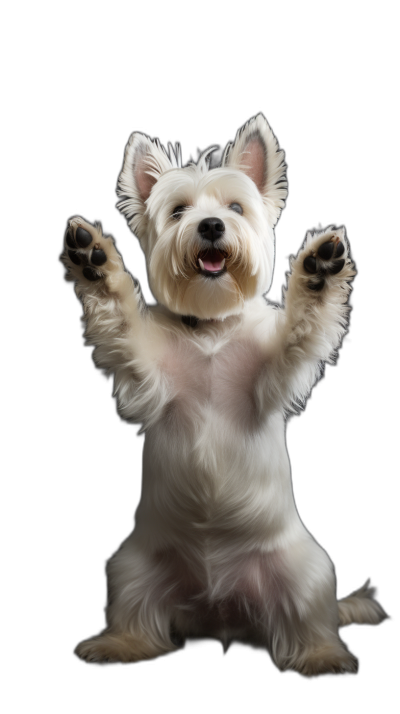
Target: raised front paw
{"type": "Point", "coordinates": [87, 251]}
{"type": "Point", "coordinates": [326, 256]}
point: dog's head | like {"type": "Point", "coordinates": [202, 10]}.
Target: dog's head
{"type": "Point", "coordinates": [207, 232]}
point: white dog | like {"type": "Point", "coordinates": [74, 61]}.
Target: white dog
{"type": "Point", "coordinates": [212, 371]}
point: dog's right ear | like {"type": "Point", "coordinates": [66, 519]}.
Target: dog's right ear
{"type": "Point", "coordinates": [145, 160]}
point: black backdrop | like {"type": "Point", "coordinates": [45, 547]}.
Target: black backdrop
{"type": "Point", "coordinates": [336, 141]}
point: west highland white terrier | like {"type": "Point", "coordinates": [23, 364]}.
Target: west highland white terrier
{"type": "Point", "coordinates": [212, 371]}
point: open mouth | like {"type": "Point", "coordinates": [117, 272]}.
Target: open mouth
{"type": "Point", "coordinates": [212, 262]}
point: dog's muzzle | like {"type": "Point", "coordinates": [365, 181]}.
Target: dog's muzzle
{"type": "Point", "coordinates": [211, 260]}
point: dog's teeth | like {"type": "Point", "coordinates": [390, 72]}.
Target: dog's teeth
{"type": "Point", "coordinates": [221, 267]}
{"type": "Point", "coordinates": [201, 264]}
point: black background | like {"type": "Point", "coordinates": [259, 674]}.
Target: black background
{"type": "Point", "coordinates": [334, 127]}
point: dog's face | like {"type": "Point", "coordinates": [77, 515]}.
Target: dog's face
{"type": "Point", "coordinates": [207, 233]}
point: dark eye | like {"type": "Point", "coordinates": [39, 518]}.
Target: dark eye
{"type": "Point", "coordinates": [237, 208]}
{"type": "Point", "coordinates": [177, 212]}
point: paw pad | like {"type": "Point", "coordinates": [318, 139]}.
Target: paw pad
{"type": "Point", "coordinates": [326, 261]}
{"type": "Point", "coordinates": [83, 238]}
{"type": "Point", "coordinates": [310, 264]}
{"type": "Point", "coordinates": [74, 256]}
{"type": "Point", "coordinates": [79, 241]}
{"type": "Point", "coordinates": [90, 273]}
{"type": "Point", "coordinates": [98, 256]}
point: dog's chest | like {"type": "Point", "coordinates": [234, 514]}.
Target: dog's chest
{"type": "Point", "coordinates": [217, 376]}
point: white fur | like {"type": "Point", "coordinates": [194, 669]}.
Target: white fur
{"type": "Point", "coordinates": [218, 547]}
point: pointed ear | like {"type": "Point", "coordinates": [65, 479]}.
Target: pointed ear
{"type": "Point", "coordinates": [256, 152]}
{"type": "Point", "coordinates": [145, 160]}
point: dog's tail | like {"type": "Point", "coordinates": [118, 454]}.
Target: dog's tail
{"type": "Point", "coordinates": [361, 607]}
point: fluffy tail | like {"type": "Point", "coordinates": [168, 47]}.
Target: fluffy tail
{"type": "Point", "coordinates": [361, 607]}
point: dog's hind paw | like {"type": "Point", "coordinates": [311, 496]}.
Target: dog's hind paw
{"type": "Point", "coordinates": [119, 647]}
{"type": "Point", "coordinates": [330, 659]}
{"type": "Point", "coordinates": [324, 259]}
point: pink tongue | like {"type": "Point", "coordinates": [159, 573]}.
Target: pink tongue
{"type": "Point", "coordinates": [212, 265]}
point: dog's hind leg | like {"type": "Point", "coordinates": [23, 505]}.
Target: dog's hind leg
{"type": "Point", "coordinates": [303, 625]}
{"type": "Point", "coordinates": [141, 596]}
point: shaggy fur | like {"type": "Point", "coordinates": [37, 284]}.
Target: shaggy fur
{"type": "Point", "coordinates": [218, 547]}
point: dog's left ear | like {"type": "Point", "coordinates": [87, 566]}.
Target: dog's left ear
{"type": "Point", "coordinates": [256, 152]}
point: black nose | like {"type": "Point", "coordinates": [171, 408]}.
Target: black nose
{"type": "Point", "coordinates": [211, 228]}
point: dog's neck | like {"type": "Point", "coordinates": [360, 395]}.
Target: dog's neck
{"type": "Point", "coordinates": [192, 321]}
{"type": "Point", "coordinates": [189, 320]}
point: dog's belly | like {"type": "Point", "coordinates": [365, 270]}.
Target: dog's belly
{"type": "Point", "coordinates": [230, 593]}
{"type": "Point", "coordinates": [214, 483]}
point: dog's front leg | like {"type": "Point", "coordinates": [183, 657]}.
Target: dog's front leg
{"type": "Point", "coordinates": [117, 320]}
{"type": "Point", "coordinates": [312, 325]}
